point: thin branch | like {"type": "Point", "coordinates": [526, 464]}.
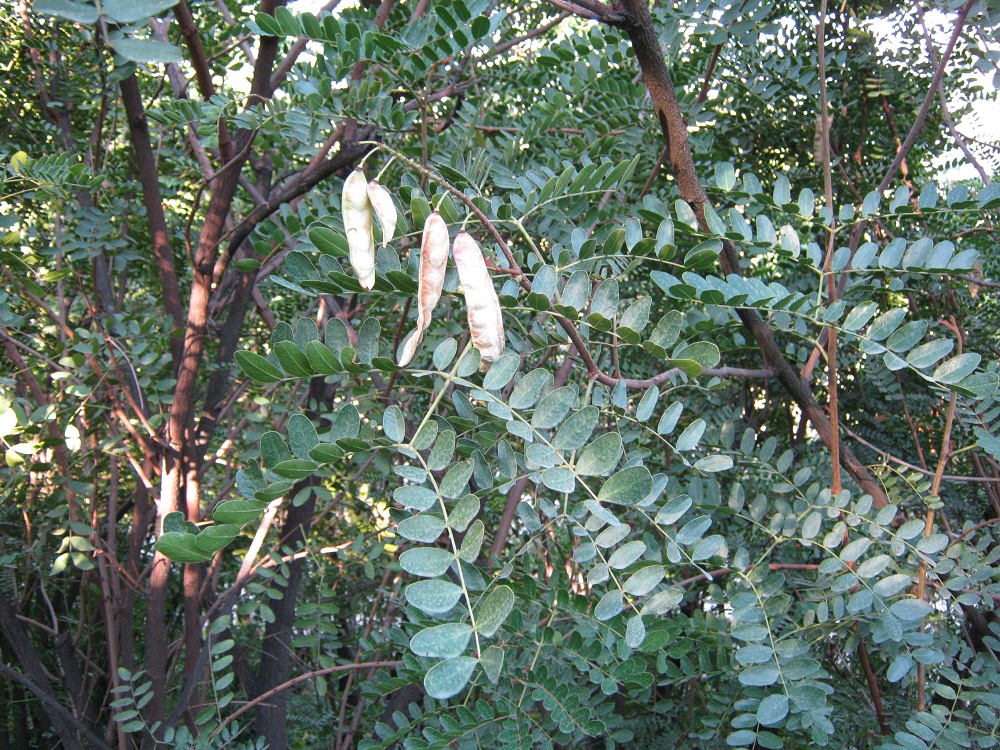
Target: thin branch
{"type": "Point", "coordinates": [303, 678]}
{"type": "Point", "coordinates": [866, 666]}
{"type": "Point", "coordinates": [593, 10]}
{"type": "Point", "coordinates": [646, 45]}
{"type": "Point", "coordinates": [914, 467]}
{"type": "Point", "coordinates": [504, 46]}
{"type": "Point", "coordinates": [918, 123]}
{"type": "Point", "coordinates": [831, 341]}
{"type": "Point", "coordinates": [945, 114]}
{"type": "Point", "coordinates": [943, 455]}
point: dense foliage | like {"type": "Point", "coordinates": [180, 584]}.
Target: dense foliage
{"type": "Point", "coordinates": [733, 482]}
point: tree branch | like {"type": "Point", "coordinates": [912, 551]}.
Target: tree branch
{"type": "Point", "coordinates": [646, 45]}
{"type": "Point", "coordinates": [918, 123]}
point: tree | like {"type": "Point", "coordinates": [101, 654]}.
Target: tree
{"type": "Point", "coordinates": [732, 480]}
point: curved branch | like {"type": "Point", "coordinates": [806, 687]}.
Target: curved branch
{"type": "Point", "coordinates": [303, 678]}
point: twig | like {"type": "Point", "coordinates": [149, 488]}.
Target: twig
{"type": "Point", "coordinates": [302, 678]}
{"type": "Point", "coordinates": [883, 725]}
{"type": "Point", "coordinates": [943, 457]}
{"type": "Point", "coordinates": [918, 123]}
{"type": "Point", "coordinates": [831, 341]}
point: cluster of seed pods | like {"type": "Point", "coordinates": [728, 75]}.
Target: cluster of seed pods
{"type": "Point", "coordinates": [359, 202]}
{"type": "Point", "coordinates": [481, 301]}
{"type": "Point", "coordinates": [362, 200]}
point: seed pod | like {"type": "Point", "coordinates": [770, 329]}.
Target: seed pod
{"type": "Point", "coordinates": [485, 318]}
{"type": "Point", "coordinates": [385, 209]}
{"type": "Point", "coordinates": [356, 208]}
{"type": "Point", "coordinates": [433, 263]}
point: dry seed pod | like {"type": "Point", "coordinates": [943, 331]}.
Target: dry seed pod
{"type": "Point", "coordinates": [485, 318]}
{"type": "Point", "coordinates": [385, 209]}
{"type": "Point", "coordinates": [433, 263]}
{"type": "Point", "coordinates": [356, 208]}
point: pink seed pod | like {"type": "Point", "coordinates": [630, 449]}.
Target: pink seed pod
{"type": "Point", "coordinates": [433, 263]}
{"type": "Point", "coordinates": [356, 208]}
{"type": "Point", "coordinates": [385, 209]}
{"type": "Point", "coordinates": [485, 318]}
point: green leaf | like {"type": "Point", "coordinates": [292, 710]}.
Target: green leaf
{"type": "Point", "coordinates": [635, 632]}
{"type": "Point", "coordinates": [893, 584]}
{"type": "Point", "coordinates": [294, 469]}
{"type": "Point", "coordinates": [130, 11]}
{"type": "Point", "coordinates": [553, 408]}
{"type": "Point", "coordinates": [886, 323]}
{"type": "Point", "coordinates": [448, 678]}
{"type": "Point", "coordinates": [302, 435]}
{"type": "Point", "coordinates": [238, 512]}
{"type": "Point", "coordinates": [492, 662]}
{"type": "Point", "coordinates": [647, 404]}
{"type": "Point", "coordinates": [741, 738]}
{"type": "Point", "coordinates": [175, 521]}
{"type": "Point", "coordinates": [463, 513]}
{"type": "Point", "coordinates": [873, 566]}
{"type": "Point", "coordinates": [456, 480]}
{"type": "Point", "coordinates": [688, 439]}
{"type": "Point", "coordinates": [611, 605]}
{"type": "Point", "coordinates": [147, 51]}
{"type": "Point", "coordinates": [415, 497]}
{"type": "Point", "coordinates": [559, 479]}
{"type": "Point", "coordinates": [760, 676]}
{"type": "Point", "coordinates": [626, 555]}
{"type": "Point", "coordinates": [672, 511]}
{"type": "Point", "coordinates": [473, 542]}
{"type": "Point", "coordinates": [663, 602]}
{"type": "Point", "coordinates": [258, 367]}
{"type": "Point", "coordinates": [529, 389]}
{"type": "Point", "coordinates": [213, 538]}
{"type": "Point", "coordinates": [708, 547]}
{"type": "Point", "coordinates": [705, 353]}
{"type": "Point", "coordinates": [669, 419]}
{"type": "Point", "coordinates": [273, 449]}
{"type": "Point", "coordinates": [393, 424]}
{"type": "Point", "coordinates": [911, 609]}
{"type": "Point", "coordinates": [422, 528]}
{"type": "Point", "coordinates": [899, 667]}
{"type": "Point", "coordinates": [693, 530]}
{"type": "Point", "coordinates": [292, 359]}
{"type": "Point", "coordinates": [714, 463]}
{"type": "Point", "coordinates": [644, 580]}
{"type": "Point", "coordinates": [71, 11]}
{"type": "Point", "coordinates": [600, 457]}
{"type": "Point", "coordinates": [927, 354]}
{"type": "Point", "coordinates": [627, 487]}
{"type": "Point", "coordinates": [181, 547]}
{"type": "Point", "coordinates": [433, 597]}
{"type": "Point", "coordinates": [501, 372]}
{"type": "Point", "coordinates": [956, 368]}
{"type": "Point", "coordinates": [442, 452]}
{"type": "Point", "coordinates": [426, 562]}
{"type": "Point", "coordinates": [494, 610]}
{"type": "Point", "coordinates": [442, 641]}
{"type": "Point", "coordinates": [444, 353]}
{"type": "Point", "coordinates": [367, 339]}
{"type": "Point", "coordinates": [908, 336]}
{"type": "Point", "coordinates": [773, 710]}
{"type": "Point", "coordinates": [634, 320]}
{"type": "Point", "coordinates": [855, 549]}
{"type": "Point", "coordinates": [574, 433]}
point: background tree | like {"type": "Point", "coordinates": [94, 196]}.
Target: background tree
{"type": "Point", "coordinates": [734, 481]}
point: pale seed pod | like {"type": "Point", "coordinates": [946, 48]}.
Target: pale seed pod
{"type": "Point", "coordinates": [433, 264]}
{"type": "Point", "coordinates": [356, 208]}
{"type": "Point", "coordinates": [485, 318]}
{"type": "Point", "coordinates": [385, 209]}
